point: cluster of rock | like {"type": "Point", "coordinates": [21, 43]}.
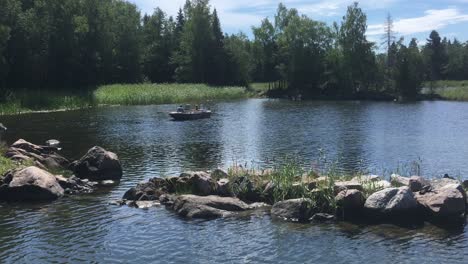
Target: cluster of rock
{"type": "Point", "coordinates": [36, 183]}
{"type": "Point", "coordinates": [195, 194]}
{"type": "Point", "coordinates": [212, 195]}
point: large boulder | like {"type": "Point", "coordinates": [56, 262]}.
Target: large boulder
{"type": "Point", "coordinates": [30, 184]}
{"type": "Point", "coordinates": [98, 164]}
{"type": "Point", "coordinates": [350, 200]}
{"type": "Point", "coordinates": [391, 202]}
{"type": "Point", "coordinates": [201, 182]}
{"type": "Point", "coordinates": [447, 201]}
{"type": "Point", "coordinates": [207, 207]}
{"type": "Point", "coordinates": [445, 198]}
{"type": "Point", "coordinates": [295, 210]}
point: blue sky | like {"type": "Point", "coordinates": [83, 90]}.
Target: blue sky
{"type": "Point", "coordinates": [412, 18]}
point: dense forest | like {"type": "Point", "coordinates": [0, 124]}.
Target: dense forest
{"type": "Point", "coordinates": [71, 44]}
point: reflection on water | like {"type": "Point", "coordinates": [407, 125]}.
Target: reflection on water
{"type": "Point", "coordinates": [376, 136]}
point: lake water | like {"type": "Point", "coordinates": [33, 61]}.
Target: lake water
{"type": "Point", "coordinates": [376, 136]}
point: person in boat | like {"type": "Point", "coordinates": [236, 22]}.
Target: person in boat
{"type": "Point", "coordinates": [197, 108]}
{"type": "Point", "coordinates": [180, 109]}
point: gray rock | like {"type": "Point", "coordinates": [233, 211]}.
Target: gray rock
{"type": "Point", "coordinates": [444, 201]}
{"type": "Point", "coordinates": [391, 201]}
{"type": "Point", "coordinates": [295, 210]}
{"type": "Point", "coordinates": [223, 187]}
{"type": "Point", "coordinates": [202, 183]}
{"type": "Point", "coordinates": [43, 156]}
{"type": "Point", "coordinates": [350, 200]}
{"type": "Point", "coordinates": [347, 185]}
{"type": "Point", "coordinates": [98, 164]}
{"type": "Point", "coordinates": [75, 185]}
{"type": "Point", "coordinates": [30, 184]}
{"type": "Point", "coordinates": [206, 207]}
{"type": "Point", "coordinates": [416, 183]}
{"type": "Point", "coordinates": [399, 181]}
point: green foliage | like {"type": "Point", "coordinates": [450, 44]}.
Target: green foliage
{"type": "Point", "coordinates": [25, 101]}
{"type": "Point", "coordinates": [69, 44]}
{"type": "Point", "coordinates": [144, 94]}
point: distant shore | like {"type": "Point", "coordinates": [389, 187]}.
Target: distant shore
{"type": "Point", "coordinates": [45, 101]}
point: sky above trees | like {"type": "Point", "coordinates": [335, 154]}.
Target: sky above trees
{"type": "Point", "coordinates": [413, 18]}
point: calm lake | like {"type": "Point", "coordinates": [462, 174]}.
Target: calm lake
{"type": "Point", "coordinates": [379, 137]}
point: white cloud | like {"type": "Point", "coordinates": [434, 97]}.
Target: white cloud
{"type": "Point", "coordinates": [432, 20]}
{"type": "Point", "coordinates": [241, 14]}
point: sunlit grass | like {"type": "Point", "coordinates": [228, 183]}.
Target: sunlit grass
{"type": "Point", "coordinates": [450, 90]}
{"type": "Point", "coordinates": [146, 94]}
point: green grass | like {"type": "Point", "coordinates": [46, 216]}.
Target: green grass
{"type": "Point", "coordinates": [7, 164]}
{"type": "Point", "coordinates": [259, 88]}
{"type": "Point", "coordinates": [146, 94]}
{"type": "Point", "coordinates": [26, 101]}
{"type": "Point", "coordinates": [450, 90]}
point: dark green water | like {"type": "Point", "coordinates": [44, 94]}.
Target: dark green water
{"type": "Point", "coordinates": [376, 136]}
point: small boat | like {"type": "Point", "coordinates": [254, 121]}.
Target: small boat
{"type": "Point", "coordinates": [192, 115]}
{"type": "Point", "coordinates": [184, 114]}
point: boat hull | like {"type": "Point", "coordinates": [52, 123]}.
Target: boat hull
{"type": "Point", "coordinates": [190, 116]}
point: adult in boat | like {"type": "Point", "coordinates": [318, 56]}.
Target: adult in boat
{"type": "Point", "coordinates": [180, 109]}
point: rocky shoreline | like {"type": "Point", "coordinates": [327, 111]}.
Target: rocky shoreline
{"type": "Point", "coordinates": [404, 200]}
{"type": "Point", "coordinates": [218, 193]}
{"type": "Point", "coordinates": [36, 179]}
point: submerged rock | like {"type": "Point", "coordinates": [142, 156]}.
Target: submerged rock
{"type": "Point", "coordinates": [295, 210]}
{"type": "Point", "coordinates": [75, 185]}
{"type": "Point", "coordinates": [322, 218]}
{"type": "Point", "coordinates": [98, 164]}
{"type": "Point", "coordinates": [30, 184]}
{"type": "Point", "coordinates": [390, 202]}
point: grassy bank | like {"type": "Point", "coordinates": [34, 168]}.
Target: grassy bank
{"type": "Point", "coordinates": [26, 101]}
{"type": "Point", "coordinates": [146, 94]}
{"type": "Point", "coordinates": [449, 90]}
{"type": "Point", "coordinates": [34, 101]}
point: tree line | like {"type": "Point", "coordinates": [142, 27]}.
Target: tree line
{"type": "Point", "coordinates": [70, 44]}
